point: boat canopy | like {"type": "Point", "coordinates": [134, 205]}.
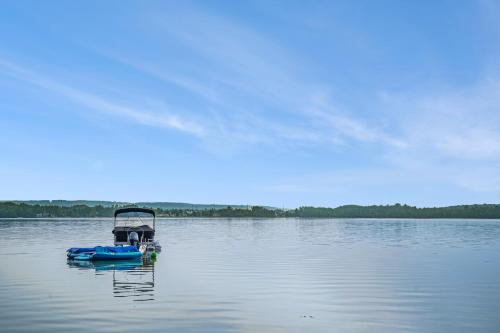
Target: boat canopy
{"type": "Point", "coordinates": [139, 220]}
{"type": "Point", "coordinates": [134, 210]}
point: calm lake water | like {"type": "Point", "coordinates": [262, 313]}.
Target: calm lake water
{"type": "Point", "coordinates": [256, 275]}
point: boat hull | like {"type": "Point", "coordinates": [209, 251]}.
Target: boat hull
{"type": "Point", "coordinates": [105, 253]}
{"type": "Point", "coordinates": [116, 256]}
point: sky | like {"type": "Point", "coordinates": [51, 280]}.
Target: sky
{"type": "Point", "coordinates": [281, 103]}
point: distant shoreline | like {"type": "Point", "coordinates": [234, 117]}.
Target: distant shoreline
{"type": "Point", "coordinates": [10, 209]}
{"type": "Point", "coordinates": [252, 218]}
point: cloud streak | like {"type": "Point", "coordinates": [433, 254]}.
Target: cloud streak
{"type": "Point", "coordinates": [462, 124]}
{"type": "Point", "coordinates": [144, 117]}
{"type": "Point", "coordinates": [249, 83]}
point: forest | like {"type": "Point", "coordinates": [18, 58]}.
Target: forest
{"type": "Point", "coordinates": [482, 211]}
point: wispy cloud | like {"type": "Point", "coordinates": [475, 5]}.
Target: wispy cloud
{"type": "Point", "coordinates": [452, 135]}
{"type": "Point", "coordinates": [92, 101]}
{"type": "Point", "coordinates": [473, 143]}
{"type": "Point", "coordinates": [449, 137]}
{"type": "Point", "coordinates": [255, 89]}
{"type": "Point", "coordinates": [269, 87]}
{"type": "Point", "coordinates": [461, 123]}
{"type": "Point", "coordinates": [350, 127]}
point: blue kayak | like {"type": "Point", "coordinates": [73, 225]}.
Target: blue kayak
{"type": "Point", "coordinates": [104, 253]}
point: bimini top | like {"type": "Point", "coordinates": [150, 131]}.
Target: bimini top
{"type": "Point", "coordinates": [134, 210]}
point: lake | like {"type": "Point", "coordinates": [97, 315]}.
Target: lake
{"type": "Point", "coordinates": [256, 275]}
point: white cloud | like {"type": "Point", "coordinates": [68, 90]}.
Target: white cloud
{"type": "Point", "coordinates": [92, 101]}
{"type": "Point", "coordinates": [452, 135]}
{"type": "Point", "coordinates": [473, 143]}
{"type": "Point", "coordinates": [254, 89]}
{"type": "Point", "coordinates": [463, 124]}
{"type": "Point", "coordinates": [348, 127]}
{"type": "Point", "coordinates": [448, 138]}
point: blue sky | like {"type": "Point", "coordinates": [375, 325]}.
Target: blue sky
{"type": "Point", "coordinates": [282, 103]}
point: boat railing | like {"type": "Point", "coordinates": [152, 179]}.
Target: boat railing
{"type": "Point", "coordinates": [136, 222]}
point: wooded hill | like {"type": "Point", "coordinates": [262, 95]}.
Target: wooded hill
{"type": "Point", "coordinates": [484, 211]}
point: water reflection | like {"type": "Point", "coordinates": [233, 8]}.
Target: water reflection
{"type": "Point", "coordinates": [134, 279]}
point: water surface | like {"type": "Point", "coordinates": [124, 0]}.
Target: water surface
{"type": "Point", "coordinates": [256, 275]}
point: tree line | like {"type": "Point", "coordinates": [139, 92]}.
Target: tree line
{"type": "Point", "coordinates": [484, 211]}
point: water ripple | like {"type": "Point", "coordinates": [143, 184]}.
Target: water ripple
{"type": "Point", "coordinates": [256, 275]}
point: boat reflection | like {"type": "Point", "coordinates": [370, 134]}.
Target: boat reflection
{"type": "Point", "coordinates": [131, 278]}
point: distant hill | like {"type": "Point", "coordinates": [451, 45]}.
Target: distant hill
{"type": "Point", "coordinates": [482, 211]}
{"type": "Point", "coordinates": [107, 204]}
{"type": "Point", "coordinates": [98, 209]}
{"type": "Point", "coordinates": [70, 203]}
{"type": "Point", "coordinates": [183, 205]}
